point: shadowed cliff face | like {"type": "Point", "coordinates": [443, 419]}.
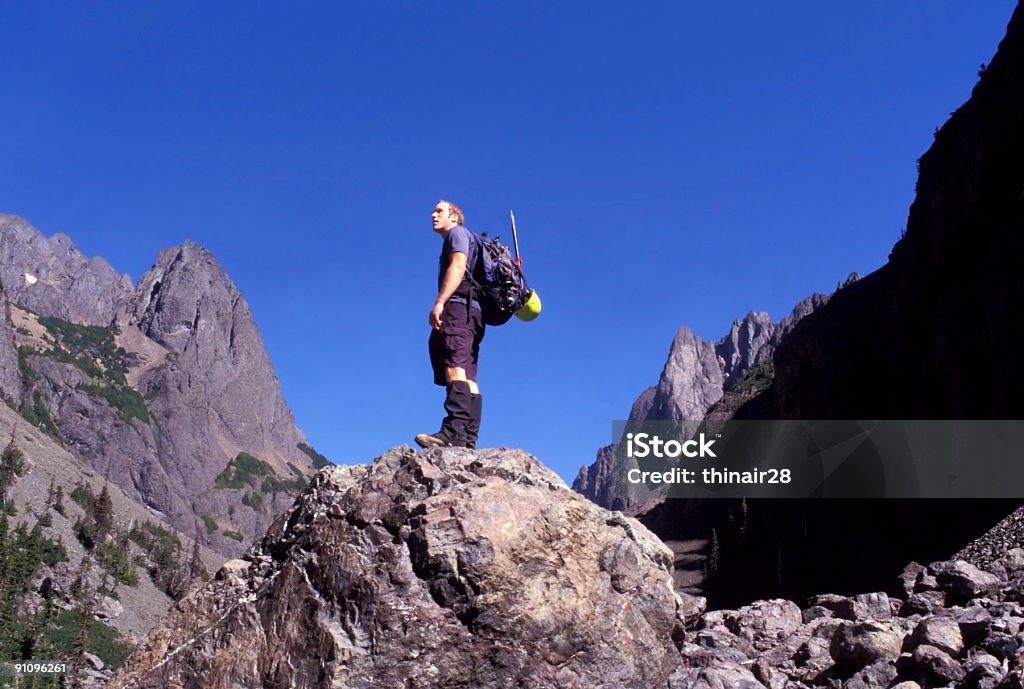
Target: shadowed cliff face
{"type": "Point", "coordinates": [936, 332]}
{"type": "Point", "coordinates": [443, 568]}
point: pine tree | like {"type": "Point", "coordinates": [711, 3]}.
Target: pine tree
{"type": "Point", "coordinates": [12, 465]}
{"type": "Point", "coordinates": [58, 501]}
{"type": "Point", "coordinates": [744, 517]}
{"type": "Point", "coordinates": [103, 514]}
{"type": "Point", "coordinates": [195, 565]}
{"type": "Point", "coordinates": [81, 645]}
{"type": "Point", "coordinates": [713, 558]}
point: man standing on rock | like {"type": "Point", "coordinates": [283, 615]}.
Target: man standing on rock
{"type": "Point", "coordinates": [457, 328]}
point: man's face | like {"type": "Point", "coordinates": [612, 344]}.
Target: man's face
{"type": "Point", "coordinates": [442, 218]}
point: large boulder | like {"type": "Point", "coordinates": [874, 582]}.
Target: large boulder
{"type": "Point", "coordinates": [442, 568]}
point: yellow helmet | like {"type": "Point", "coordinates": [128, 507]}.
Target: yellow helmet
{"type": "Point", "coordinates": [531, 309]}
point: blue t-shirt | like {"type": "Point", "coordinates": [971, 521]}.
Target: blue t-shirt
{"type": "Point", "coordinates": [458, 240]}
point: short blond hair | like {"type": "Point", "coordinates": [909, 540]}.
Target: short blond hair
{"type": "Point", "coordinates": [454, 210]}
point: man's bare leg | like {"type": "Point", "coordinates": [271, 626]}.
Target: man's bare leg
{"type": "Point", "coordinates": [459, 373]}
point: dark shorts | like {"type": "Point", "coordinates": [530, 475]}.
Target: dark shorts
{"type": "Point", "coordinates": [457, 343]}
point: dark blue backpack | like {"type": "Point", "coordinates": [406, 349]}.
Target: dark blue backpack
{"type": "Point", "coordinates": [498, 284]}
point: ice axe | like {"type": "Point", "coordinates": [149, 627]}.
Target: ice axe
{"type": "Point", "coordinates": [531, 307]}
{"type": "Point", "coordinates": [515, 241]}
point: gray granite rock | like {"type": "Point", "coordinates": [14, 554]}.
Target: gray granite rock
{"type": "Point", "coordinates": [963, 579]}
{"type": "Point", "coordinates": [879, 674]}
{"type": "Point", "coordinates": [745, 346]}
{"type": "Point", "coordinates": [10, 374]}
{"type": "Point", "coordinates": [439, 568]}
{"type": "Point", "coordinates": [936, 663]}
{"type": "Point", "coordinates": [940, 632]}
{"type": "Point", "coordinates": [858, 645]}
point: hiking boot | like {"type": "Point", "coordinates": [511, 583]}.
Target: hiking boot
{"type": "Point", "coordinates": [473, 425]}
{"type": "Point", "coordinates": [426, 440]}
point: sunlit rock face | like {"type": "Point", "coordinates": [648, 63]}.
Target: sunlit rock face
{"type": "Point", "coordinates": [442, 568]}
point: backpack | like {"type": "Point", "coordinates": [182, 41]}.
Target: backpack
{"type": "Point", "coordinates": [498, 284]}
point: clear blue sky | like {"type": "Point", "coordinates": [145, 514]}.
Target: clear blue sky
{"type": "Point", "coordinates": [668, 163]}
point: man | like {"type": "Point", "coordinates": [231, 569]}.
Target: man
{"type": "Point", "coordinates": [457, 328]}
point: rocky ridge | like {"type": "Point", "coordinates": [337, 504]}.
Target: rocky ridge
{"type": "Point", "coordinates": [931, 335]}
{"type": "Point", "coordinates": [52, 277]}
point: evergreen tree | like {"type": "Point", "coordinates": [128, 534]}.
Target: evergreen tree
{"type": "Point", "coordinates": [81, 645]}
{"type": "Point", "coordinates": [85, 609]}
{"type": "Point", "coordinates": [744, 520]}
{"type": "Point", "coordinates": [58, 501]}
{"type": "Point", "coordinates": [12, 465]}
{"type": "Point", "coordinates": [195, 564]}
{"type": "Point", "coordinates": [103, 514]}
{"type": "Point", "coordinates": [715, 554]}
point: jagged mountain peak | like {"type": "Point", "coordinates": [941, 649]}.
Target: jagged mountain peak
{"type": "Point", "coordinates": [696, 378]}
{"type": "Point", "coordinates": [184, 285]}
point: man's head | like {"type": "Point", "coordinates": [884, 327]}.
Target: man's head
{"type": "Point", "coordinates": [446, 215]}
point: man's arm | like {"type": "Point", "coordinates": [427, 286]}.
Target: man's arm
{"type": "Point", "coordinates": [452, 279]}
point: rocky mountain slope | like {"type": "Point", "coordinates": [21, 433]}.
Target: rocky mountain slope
{"type": "Point", "coordinates": [55, 567]}
{"type": "Point", "coordinates": [165, 388]}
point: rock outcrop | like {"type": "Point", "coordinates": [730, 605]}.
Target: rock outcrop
{"type": "Point", "coordinates": [443, 568]}
{"type": "Point", "coordinates": [459, 568]}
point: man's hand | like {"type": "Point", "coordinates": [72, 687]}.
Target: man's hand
{"type": "Point", "coordinates": [435, 315]}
